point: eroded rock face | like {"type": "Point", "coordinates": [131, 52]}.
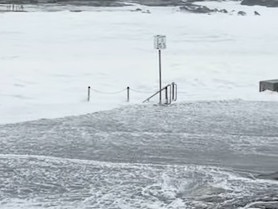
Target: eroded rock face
{"type": "Point", "coordinates": [268, 3]}
{"type": "Point", "coordinates": [196, 8]}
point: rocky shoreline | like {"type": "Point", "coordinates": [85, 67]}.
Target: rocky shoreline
{"type": "Point", "coordinates": [267, 3]}
{"type": "Point", "coordinates": [113, 3]}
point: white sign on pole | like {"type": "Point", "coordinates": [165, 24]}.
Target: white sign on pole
{"type": "Point", "coordinates": [159, 42]}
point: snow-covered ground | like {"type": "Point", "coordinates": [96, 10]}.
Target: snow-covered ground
{"type": "Point", "coordinates": [47, 59]}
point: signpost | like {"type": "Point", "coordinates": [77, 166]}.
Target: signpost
{"type": "Point", "coordinates": [159, 44]}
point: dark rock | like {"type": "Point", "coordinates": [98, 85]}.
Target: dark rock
{"type": "Point", "coordinates": [76, 10]}
{"type": "Point", "coordinates": [191, 7]}
{"type": "Point", "coordinates": [137, 10]}
{"type": "Point", "coordinates": [159, 2]}
{"type": "Point", "coordinates": [140, 10]}
{"type": "Point", "coordinates": [241, 13]}
{"type": "Point", "coordinates": [267, 3]}
{"type": "Point", "coordinates": [147, 11]}
{"type": "Point", "coordinates": [196, 8]}
{"type": "Point", "coordinates": [223, 11]}
{"type": "Point", "coordinates": [257, 13]}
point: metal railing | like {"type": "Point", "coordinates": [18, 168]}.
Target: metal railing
{"type": "Point", "coordinates": [170, 93]}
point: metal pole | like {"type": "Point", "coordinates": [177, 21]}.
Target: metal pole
{"type": "Point", "coordinates": [89, 93]}
{"type": "Point", "coordinates": [166, 95]}
{"type": "Point", "coordinates": [127, 89]}
{"type": "Point", "coordinates": [173, 91]}
{"type": "Point", "coordinates": [159, 57]}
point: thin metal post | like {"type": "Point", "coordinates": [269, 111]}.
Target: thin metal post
{"type": "Point", "coordinates": [173, 91]}
{"type": "Point", "coordinates": [159, 57]}
{"type": "Point", "coordinates": [261, 88]}
{"type": "Point", "coordinates": [166, 95]}
{"type": "Point", "coordinates": [127, 90]}
{"type": "Point", "coordinates": [170, 94]}
{"type": "Point", "coordinates": [89, 93]}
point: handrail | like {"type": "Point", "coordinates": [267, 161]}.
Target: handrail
{"type": "Point", "coordinates": [174, 91]}
{"type": "Point", "coordinates": [168, 99]}
{"type": "Point", "coordinates": [148, 99]}
{"type": "Point", "coordinates": [170, 93]}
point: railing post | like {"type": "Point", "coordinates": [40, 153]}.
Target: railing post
{"type": "Point", "coordinates": [166, 94]}
{"type": "Point", "coordinates": [176, 92]}
{"type": "Point", "coordinates": [89, 93]}
{"type": "Point", "coordinates": [170, 94]}
{"type": "Point", "coordinates": [173, 91]}
{"type": "Point", "coordinates": [127, 91]}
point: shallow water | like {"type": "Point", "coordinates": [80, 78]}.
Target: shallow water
{"type": "Point", "coordinates": [191, 155]}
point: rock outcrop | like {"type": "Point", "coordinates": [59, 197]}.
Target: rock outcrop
{"type": "Point", "coordinates": [241, 13]}
{"type": "Point", "coordinates": [267, 3]}
{"type": "Point", "coordinates": [194, 8]}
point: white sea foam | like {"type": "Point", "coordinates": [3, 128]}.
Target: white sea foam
{"type": "Point", "coordinates": [49, 58]}
{"type": "Point", "coordinates": [47, 182]}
